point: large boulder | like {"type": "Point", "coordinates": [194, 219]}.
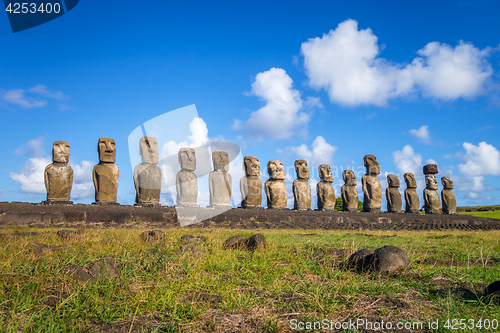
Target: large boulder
{"type": "Point", "coordinates": [256, 242]}
{"type": "Point", "coordinates": [389, 259]}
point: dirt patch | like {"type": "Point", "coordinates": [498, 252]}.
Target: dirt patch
{"type": "Point", "coordinates": [137, 325]}
{"type": "Point", "coordinates": [202, 297]}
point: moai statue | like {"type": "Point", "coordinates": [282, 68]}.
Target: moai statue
{"type": "Point", "coordinates": [372, 192]}
{"type": "Point", "coordinates": [411, 196]}
{"type": "Point", "coordinates": [349, 192]}
{"type": "Point", "coordinates": [449, 201]}
{"type": "Point", "coordinates": [186, 181]}
{"type": "Point", "coordinates": [105, 174]}
{"type": "Point", "coordinates": [301, 188]}
{"type": "Point", "coordinates": [220, 180]}
{"type": "Point", "coordinates": [392, 194]}
{"type": "Point", "coordinates": [58, 176]}
{"type": "Point", "coordinates": [147, 175]}
{"type": "Point", "coordinates": [431, 197]}
{"type": "Point", "coordinates": [251, 185]}
{"type": "Point", "coordinates": [275, 186]}
{"type": "Point", "coordinates": [324, 189]}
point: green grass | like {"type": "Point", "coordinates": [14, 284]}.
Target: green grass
{"type": "Point", "coordinates": [490, 214]}
{"type": "Point", "coordinates": [295, 277]}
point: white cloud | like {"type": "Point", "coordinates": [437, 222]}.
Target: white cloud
{"type": "Point", "coordinates": [483, 159]}
{"type": "Point", "coordinates": [33, 148]}
{"type": "Point", "coordinates": [345, 63]}
{"type": "Point", "coordinates": [281, 115]}
{"type": "Point", "coordinates": [198, 137]}
{"type": "Point", "coordinates": [321, 152]}
{"type": "Point", "coordinates": [83, 186]}
{"type": "Point", "coordinates": [42, 90]}
{"type": "Point", "coordinates": [406, 160]}
{"type": "Point", "coordinates": [17, 97]}
{"type": "Point", "coordinates": [423, 134]}
{"type": "Point", "coordinates": [31, 175]}
{"type": "Point", "coordinates": [431, 161]}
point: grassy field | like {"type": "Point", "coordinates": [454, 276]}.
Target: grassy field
{"type": "Point", "coordinates": [492, 214]}
{"type": "Point", "coordinates": [299, 277]}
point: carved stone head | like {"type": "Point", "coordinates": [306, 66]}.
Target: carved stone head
{"type": "Point", "coordinates": [60, 152]}
{"type": "Point", "coordinates": [392, 181]}
{"type": "Point", "coordinates": [301, 169]}
{"type": "Point", "coordinates": [410, 180]}
{"type": "Point", "coordinates": [187, 159]}
{"type": "Point", "coordinates": [371, 165]}
{"type": "Point", "coordinates": [447, 183]}
{"type": "Point", "coordinates": [251, 165]}
{"type": "Point", "coordinates": [430, 182]}
{"type": "Point", "coordinates": [325, 173]}
{"type": "Point", "coordinates": [148, 148]}
{"type": "Point", "coordinates": [276, 170]}
{"type": "Point", "coordinates": [220, 160]}
{"type": "Point", "coordinates": [107, 150]}
{"type": "Point", "coordinates": [349, 177]}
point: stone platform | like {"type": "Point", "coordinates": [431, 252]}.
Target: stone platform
{"type": "Point", "coordinates": [38, 215]}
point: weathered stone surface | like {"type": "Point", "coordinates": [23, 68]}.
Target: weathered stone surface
{"type": "Point", "coordinates": [349, 192]}
{"type": "Point", "coordinates": [58, 176]}
{"type": "Point", "coordinates": [220, 180]}
{"type": "Point", "coordinates": [448, 197]}
{"type": "Point", "coordinates": [152, 235]}
{"type": "Point", "coordinates": [40, 249]}
{"type": "Point", "coordinates": [190, 239]}
{"type": "Point", "coordinates": [361, 259]}
{"type": "Point", "coordinates": [251, 185]}
{"type": "Point", "coordinates": [256, 242]}
{"type": "Point", "coordinates": [275, 186]}
{"type": "Point", "coordinates": [493, 289]}
{"type": "Point", "coordinates": [324, 189]}
{"type": "Point", "coordinates": [392, 194]}
{"type": "Point", "coordinates": [430, 169]}
{"type": "Point", "coordinates": [411, 197]}
{"type": "Point", "coordinates": [68, 234]}
{"type": "Point", "coordinates": [301, 188]}
{"type": "Point", "coordinates": [389, 259]}
{"type": "Point", "coordinates": [192, 250]}
{"type": "Point", "coordinates": [105, 267]}
{"type": "Point", "coordinates": [147, 175]}
{"type": "Point", "coordinates": [431, 197]}
{"type": "Point", "coordinates": [186, 181]}
{"type": "Point", "coordinates": [105, 174]}
{"type": "Point", "coordinates": [372, 191]}
{"type": "Point", "coordinates": [78, 274]}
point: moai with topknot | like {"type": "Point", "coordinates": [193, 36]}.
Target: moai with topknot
{"type": "Point", "coordinates": [105, 174]}
{"type": "Point", "coordinates": [349, 192]}
{"type": "Point", "coordinates": [58, 176]}
{"type": "Point", "coordinates": [392, 194]}
{"type": "Point", "coordinates": [220, 180]}
{"type": "Point", "coordinates": [147, 175]}
{"type": "Point", "coordinates": [324, 189]}
{"type": "Point", "coordinates": [448, 197]}
{"type": "Point", "coordinates": [301, 188]}
{"type": "Point", "coordinates": [431, 197]}
{"type": "Point", "coordinates": [250, 184]}
{"type": "Point", "coordinates": [186, 181]}
{"type": "Point", "coordinates": [275, 186]}
{"type": "Point", "coordinates": [411, 197]}
{"type": "Point", "coordinates": [372, 191]}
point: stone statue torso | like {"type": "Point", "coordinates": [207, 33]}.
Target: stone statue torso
{"type": "Point", "coordinates": [187, 187]}
{"type": "Point", "coordinates": [251, 191]}
{"type": "Point", "coordinates": [220, 188]}
{"type": "Point", "coordinates": [301, 194]}
{"type": "Point", "coordinates": [148, 183]}
{"type": "Point", "coordinates": [394, 201]}
{"type": "Point", "coordinates": [412, 201]}
{"type": "Point", "coordinates": [106, 181]}
{"type": "Point", "coordinates": [58, 181]}
{"type": "Point", "coordinates": [449, 202]}
{"type": "Point", "coordinates": [349, 198]}
{"type": "Point", "coordinates": [432, 201]}
{"type": "Point", "coordinates": [372, 198]}
{"type": "Point", "coordinates": [276, 193]}
{"type": "Point", "coordinates": [326, 196]}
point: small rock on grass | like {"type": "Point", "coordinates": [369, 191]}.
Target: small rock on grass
{"type": "Point", "coordinates": [493, 290]}
{"type": "Point", "coordinates": [152, 236]}
{"type": "Point", "coordinates": [192, 249]}
{"type": "Point", "coordinates": [69, 234]}
{"type": "Point", "coordinates": [256, 242]}
{"type": "Point", "coordinates": [105, 266]}
{"type": "Point", "coordinates": [78, 274]}
{"type": "Point", "coordinates": [389, 259]}
{"type": "Point", "coordinates": [39, 249]}
{"type": "Point", "coordinates": [190, 239]}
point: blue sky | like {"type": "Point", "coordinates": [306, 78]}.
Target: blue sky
{"type": "Point", "coordinates": [325, 81]}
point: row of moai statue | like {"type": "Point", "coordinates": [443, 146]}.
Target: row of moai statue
{"type": "Point", "coordinates": [147, 182]}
